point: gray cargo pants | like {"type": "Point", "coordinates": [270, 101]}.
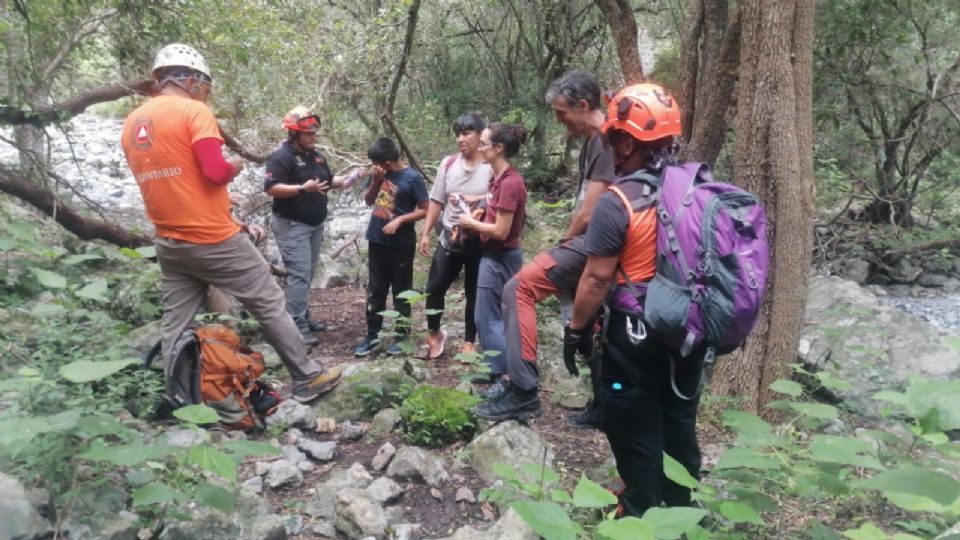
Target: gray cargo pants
{"type": "Point", "coordinates": [237, 268]}
{"type": "Point", "coordinates": [299, 245]}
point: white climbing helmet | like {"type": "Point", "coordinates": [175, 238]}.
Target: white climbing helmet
{"type": "Point", "coordinates": [178, 54]}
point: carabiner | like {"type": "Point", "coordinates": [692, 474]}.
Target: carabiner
{"type": "Point", "coordinates": [636, 335]}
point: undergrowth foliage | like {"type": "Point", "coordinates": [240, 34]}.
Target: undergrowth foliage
{"type": "Point", "coordinates": [898, 483]}
{"type": "Point", "coordinates": [70, 387]}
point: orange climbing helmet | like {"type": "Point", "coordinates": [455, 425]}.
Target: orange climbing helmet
{"type": "Point", "coordinates": [302, 119]}
{"type": "Point", "coordinates": [645, 111]}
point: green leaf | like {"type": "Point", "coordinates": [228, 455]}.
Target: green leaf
{"type": "Point", "coordinates": [845, 451]}
{"type": "Point", "coordinates": [82, 371]}
{"type": "Point", "coordinates": [99, 425]}
{"type": "Point", "coordinates": [867, 531]}
{"type": "Point", "coordinates": [47, 310]}
{"type": "Point", "coordinates": [739, 513]}
{"type": "Point", "coordinates": [389, 314]}
{"type": "Point", "coordinates": [678, 473]}
{"type": "Point", "coordinates": [589, 494]}
{"type": "Point", "coordinates": [131, 253]}
{"type": "Point", "coordinates": [914, 481]}
{"type": "Point", "coordinates": [216, 497]}
{"type": "Point", "coordinates": [504, 471]}
{"type": "Point", "coordinates": [155, 493]}
{"type": "Point", "coordinates": [197, 414]}
{"type": "Point", "coordinates": [242, 449]}
{"type": "Point", "coordinates": [15, 433]}
{"type": "Point", "coordinates": [7, 245]}
{"type": "Point", "coordinates": [79, 258]}
{"type": "Point", "coordinates": [915, 503]}
{"type": "Point", "coordinates": [547, 519]}
{"type": "Point", "coordinates": [560, 496]}
{"type": "Point", "coordinates": [128, 454]}
{"type": "Point", "coordinates": [49, 279]}
{"type": "Point", "coordinates": [791, 388]}
{"type": "Point", "coordinates": [412, 296]}
{"type": "Point", "coordinates": [95, 290]}
{"type": "Point", "coordinates": [671, 523]}
{"type": "Point", "coordinates": [818, 531]}
{"type": "Point", "coordinates": [832, 382]}
{"type": "Point", "coordinates": [890, 396]}
{"type": "Point", "coordinates": [741, 457]}
{"type": "Point", "coordinates": [139, 476]}
{"type": "Point", "coordinates": [147, 251]}
{"type": "Point", "coordinates": [815, 410]}
{"type": "Point", "coordinates": [628, 528]}
{"type": "Point", "coordinates": [905, 536]}
{"type": "Point", "coordinates": [535, 472]}
{"type": "Point", "coordinates": [213, 460]}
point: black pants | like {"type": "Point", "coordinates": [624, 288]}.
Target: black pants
{"type": "Point", "coordinates": [444, 270]}
{"type": "Point", "coordinates": [390, 269]}
{"type": "Point", "coordinates": [643, 418]}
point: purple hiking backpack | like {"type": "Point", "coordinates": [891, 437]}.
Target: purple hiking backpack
{"type": "Point", "coordinates": [712, 260]}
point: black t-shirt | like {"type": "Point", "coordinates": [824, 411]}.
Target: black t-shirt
{"type": "Point", "coordinates": [596, 163]}
{"type": "Point", "coordinates": [289, 166]}
{"type": "Point", "coordinates": [400, 193]}
{"type": "Point", "coordinates": [606, 235]}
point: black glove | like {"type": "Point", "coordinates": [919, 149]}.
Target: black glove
{"type": "Point", "coordinates": [575, 341]}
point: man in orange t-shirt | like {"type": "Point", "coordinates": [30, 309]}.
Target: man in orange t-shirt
{"type": "Point", "coordinates": [173, 146]}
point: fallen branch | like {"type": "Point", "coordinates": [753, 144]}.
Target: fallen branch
{"type": "Point", "coordinates": [928, 246]}
{"type": "Point", "coordinates": [59, 112]}
{"type": "Point", "coordinates": [336, 253]}
{"type": "Point", "coordinates": [82, 226]}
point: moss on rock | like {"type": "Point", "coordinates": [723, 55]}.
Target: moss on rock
{"type": "Point", "coordinates": [434, 416]}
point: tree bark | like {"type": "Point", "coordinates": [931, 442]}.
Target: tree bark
{"type": "Point", "coordinates": [412, 16]}
{"type": "Point", "coordinates": [84, 227]}
{"type": "Point", "coordinates": [774, 159]}
{"type": "Point", "coordinates": [708, 78]}
{"type": "Point", "coordinates": [76, 104]}
{"type": "Point", "coordinates": [623, 27]}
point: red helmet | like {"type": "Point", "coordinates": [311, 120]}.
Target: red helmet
{"type": "Point", "coordinates": [302, 119]}
{"type": "Point", "coordinates": [645, 111]}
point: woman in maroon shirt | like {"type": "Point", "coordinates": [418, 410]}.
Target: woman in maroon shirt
{"type": "Point", "coordinates": [499, 230]}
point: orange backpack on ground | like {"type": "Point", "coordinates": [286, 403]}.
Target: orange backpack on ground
{"type": "Point", "coordinates": [212, 367]}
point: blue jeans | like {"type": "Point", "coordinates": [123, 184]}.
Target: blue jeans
{"type": "Point", "coordinates": [496, 269]}
{"type": "Point", "coordinates": [299, 245]}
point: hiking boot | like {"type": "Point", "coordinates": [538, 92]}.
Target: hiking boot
{"type": "Point", "coordinates": [367, 346]}
{"type": "Point", "coordinates": [313, 388]}
{"type": "Point", "coordinates": [395, 349]}
{"type": "Point", "coordinates": [589, 418]}
{"type": "Point", "coordinates": [495, 390]}
{"type": "Point", "coordinates": [436, 342]}
{"type": "Point", "coordinates": [514, 404]}
{"type": "Point", "coordinates": [316, 326]}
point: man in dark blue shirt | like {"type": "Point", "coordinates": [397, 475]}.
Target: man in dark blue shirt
{"type": "Point", "coordinates": [399, 198]}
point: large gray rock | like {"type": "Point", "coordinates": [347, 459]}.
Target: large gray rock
{"type": "Point", "coordinates": [250, 521]}
{"type": "Point", "coordinates": [358, 516]}
{"type": "Point", "coordinates": [324, 502]}
{"type": "Point", "coordinates": [384, 490]}
{"type": "Point", "coordinates": [509, 527]}
{"type": "Point", "coordinates": [283, 473]}
{"type": "Point", "coordinates": [385, 421]}
{"type": "Point", "coordinates": [413, 462]}
{"type": "Point", "coordinates": [871, 346]}
{"type": "Point", "coordinates": [18, 519]}
{"type": "Point", "coordinates": [292, 413]}
{"type": "Point", "coordinates": [507, 443]}
{"type": "Point", "coordinates": [320, 451]}
{"type": "Point", "coordinates": [856, 270]}
{"type": "Point", "coordinates": [367, 387]}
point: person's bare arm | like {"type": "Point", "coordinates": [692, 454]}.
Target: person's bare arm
{"type": "Point", "coordinates": [377, 174]}
{"type": "Point", "coordinates": [580, 220]}
{"type": "Point", "coordinates": [285, 191]}
{"type": "Point", "coordinates": [416, 215]}
{"type": "Point", "coordinates": [433, 214]}
{"type": "Point", "coordinates": [498, 230]}
{"type": "Point", "coordinates": [595, 283]}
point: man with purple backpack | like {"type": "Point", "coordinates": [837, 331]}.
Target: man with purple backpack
{"type": "Point", "coordinates": [677, 265]}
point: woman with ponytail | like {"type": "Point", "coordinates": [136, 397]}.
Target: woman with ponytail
{"type": "Point", "coordinates": [500, 229]}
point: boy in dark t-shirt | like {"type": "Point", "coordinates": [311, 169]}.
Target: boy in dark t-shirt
{"type": "Point", "coordinates": [399, 198]}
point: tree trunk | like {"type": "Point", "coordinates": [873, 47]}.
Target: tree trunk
{"type": "Point", "coordinates": [623, 26]}
{"type": "Point", "coordinates": [774, 159]}
{"type": "Point", "coordinates": [84, 227]}
{"type": "Point", "coordinates": [708, 78]}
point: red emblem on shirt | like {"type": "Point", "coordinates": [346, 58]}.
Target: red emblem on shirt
{"type": "Point", "coordinates": [143, 133]}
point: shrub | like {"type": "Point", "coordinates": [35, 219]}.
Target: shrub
{"type": "Point", "coordinates": [434, 416]}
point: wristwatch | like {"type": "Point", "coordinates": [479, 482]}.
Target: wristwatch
{"type": "Point", "coordinates": [302, 190]}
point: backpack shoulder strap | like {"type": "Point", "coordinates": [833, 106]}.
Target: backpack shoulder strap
{"type": "Point", "coordinates": [449, 161]}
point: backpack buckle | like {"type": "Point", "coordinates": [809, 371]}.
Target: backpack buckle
{"type": "Point", "coordinates": [635, 333]}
